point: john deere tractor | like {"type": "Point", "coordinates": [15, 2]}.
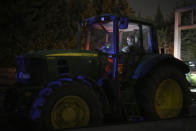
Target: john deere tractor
{"type": "Point", "coordinates": [116, 74]}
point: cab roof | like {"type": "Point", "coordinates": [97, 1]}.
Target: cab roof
{"type": "Point", "coordinates": [110, 17]}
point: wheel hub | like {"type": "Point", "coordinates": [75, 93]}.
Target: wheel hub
{"type": "Point", "coordinates": [168, 99]}
{"type": "Point", "coordinates": [70, 112]}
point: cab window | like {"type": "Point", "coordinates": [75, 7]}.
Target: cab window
{"type": "Point", "coordinates": [129, 37]}
{"type": "Point", "coordinates": [147, 38]}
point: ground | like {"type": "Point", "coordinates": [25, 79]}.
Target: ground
{"type": "Point", "coordinates": [187, 123]}
{"type": "Point", "coordinates": [181, 124]}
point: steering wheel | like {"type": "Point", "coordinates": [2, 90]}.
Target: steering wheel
{"type": "Point", "coordinates": [105, 47]}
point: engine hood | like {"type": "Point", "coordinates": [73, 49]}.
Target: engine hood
{"type": "Point", "coordinates": [45, 66]}
{"type": "Point", "coordinates": [56, 53]}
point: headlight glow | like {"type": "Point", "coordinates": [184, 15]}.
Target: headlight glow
{"type": "Point", "coordinates": [22, 75]}
{"type": "Point", "coordinates": [102, 18]}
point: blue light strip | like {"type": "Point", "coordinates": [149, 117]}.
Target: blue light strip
{"type": "Point", "coordinates": [149, 41]}
{"type": "Point", "coordinates": [116, 48]}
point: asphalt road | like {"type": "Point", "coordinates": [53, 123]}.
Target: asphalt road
{"type": "Point", "coordinates": [187, 123]}
{"type": "Point", "coordinates": [183, 124]}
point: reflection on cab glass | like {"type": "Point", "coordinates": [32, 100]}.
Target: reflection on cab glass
{"type": "Point", "coordinates": [147, 38]}
{"type": "Point", "coordinates": [101, 37]}
{"type": "Point", "coordinates": [129, 37]}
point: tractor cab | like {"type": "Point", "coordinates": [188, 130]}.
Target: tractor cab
{"type": "Point", "coordinates": [108, 32]}
{"type": "Point", "coordinates": [119, 37]}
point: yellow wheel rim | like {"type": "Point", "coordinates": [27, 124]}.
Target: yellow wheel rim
{"type": "Point", "coordinates": [70, 112]}
{"type": "Point", "coordinates": [168, 99]}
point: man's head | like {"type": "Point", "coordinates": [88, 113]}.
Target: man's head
{"type": "Point", "coordinates": [130, 40]}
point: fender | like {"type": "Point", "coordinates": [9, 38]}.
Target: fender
{"type": "Point", "coordinates": [93, 84]}
{"type": "Point", "coordinates": [151, 62]}
{"type": "Point", "coordinates": [85, 80]}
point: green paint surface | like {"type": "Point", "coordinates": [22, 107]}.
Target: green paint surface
{"type": "Point", "coordinates": [191, 78]}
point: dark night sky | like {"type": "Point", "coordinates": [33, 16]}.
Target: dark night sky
{"type": "Point", "coordinates": [148, 7]}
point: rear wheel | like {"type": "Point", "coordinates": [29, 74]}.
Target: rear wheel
{"type": "Point", "coordinates": [168, 99]}
{"type": "Point", "coordinates": [164, 94]}
{"type": "Point", "coordinates": [71, 105]}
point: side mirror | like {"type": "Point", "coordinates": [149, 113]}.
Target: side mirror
{"type": "Point", "coordinates": [123, 23]}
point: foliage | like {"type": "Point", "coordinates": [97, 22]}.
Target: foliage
{"type": "Point", "coordinates": [47, 24]}
{"type": "Point", "coordinates": [165, 28]}
{"type": "Point", "coordinates": [159, 18]}
{"type": "Point", "coordinates": [164, 31]}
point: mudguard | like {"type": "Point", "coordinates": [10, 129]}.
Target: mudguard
{"type": "Point", "coordinates": [151, 62]}
{"type": "Point", "coordinates": [92, 83]}
{"type": "Point", "coordinates": [88, 82]}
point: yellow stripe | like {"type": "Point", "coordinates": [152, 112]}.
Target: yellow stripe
{"type": "Point", "coordinates": [74, 54]}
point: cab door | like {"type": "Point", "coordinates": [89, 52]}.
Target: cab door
{"type": "Point", "coordinates": [134, 43]}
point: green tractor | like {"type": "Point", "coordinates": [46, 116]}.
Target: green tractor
{"type": "Point", "coordinates": [116, 74]}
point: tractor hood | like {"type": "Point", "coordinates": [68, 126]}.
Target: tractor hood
{"type": "Point", "coordinates": [55, 53]}
{"type": "Point", "coordinates": [45, 66]}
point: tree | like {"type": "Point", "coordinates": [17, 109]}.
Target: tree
{"type": "Point", "coordinates": [47, 24]}
{"type": "Point", "coordinates": [159, 18]}
{"type": "Point", "coordinates": [125, 8]}
{"type": "Point", "coordinates": [162, 30]}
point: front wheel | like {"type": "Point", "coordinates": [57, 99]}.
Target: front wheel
{"type": "Point", "coordinates": [71, 105]}
{"type": "Point", "coordinates": [164, 94]}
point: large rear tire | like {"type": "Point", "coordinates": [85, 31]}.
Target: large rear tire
{"type": "Point", "coordinates": [164, 94]}
{"type": "Point", "coordinates": [71, 105]}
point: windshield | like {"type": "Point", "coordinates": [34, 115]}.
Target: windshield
{"type": "Point", "coordinates": [100, 37]}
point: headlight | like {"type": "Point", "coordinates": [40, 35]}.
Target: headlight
{"type": "Point", "coordinates": [22, 75]}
